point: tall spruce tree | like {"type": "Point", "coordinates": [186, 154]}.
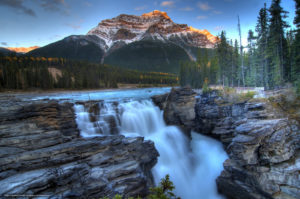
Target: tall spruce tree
{"type": "Point", "coordinates": [236, 59]}
{"type": "Point", "coordinates": [278, 69]}
{"type": "Point", "coordinates": [241, 52]}
{"type": "Point", "coordinates": [251, 70]}
{"type": "Point", "coordinates": [262, 27]}
{"type": "Point", "coordinates": [224, 59]}
{"type": "Point", "coordinates": [296, 48]}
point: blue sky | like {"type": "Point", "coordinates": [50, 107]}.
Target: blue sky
{"type": "Point", "coordinates": [25, 23]}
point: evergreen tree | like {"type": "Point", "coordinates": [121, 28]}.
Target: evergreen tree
{"type": "Point", "coordinates": [296, 45]}
{"type": "Point", "coordinates": [262, 27]}
{"type": "Point", "coordinates": [251, 71]}
{"type": "Point", "coordinates": [278, 69]}
{"type": "Point", "coordinates": [241, 52]}
{"type": "Point", "coordinates": [224, 59]}
{"type": "Point", "coordinates": [236, 58]}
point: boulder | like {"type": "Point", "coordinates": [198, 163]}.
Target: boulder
{"type": "Point", "coordinates": [178, 106]}
{"type": "Point", "coordinates": [262, 144]}
{"type": "Point", "coordinates": [42, 153]}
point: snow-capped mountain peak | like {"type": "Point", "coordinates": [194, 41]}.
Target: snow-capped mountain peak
{"type": "Point", "coordinates": [156, 25]}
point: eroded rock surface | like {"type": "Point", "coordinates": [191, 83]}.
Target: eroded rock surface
{"type": "Point", "coordinates": [262, 143]}
{"type": "Point", "coordinates": [178, 106]}
{"type": "Point", "coordinates": [41, 153]}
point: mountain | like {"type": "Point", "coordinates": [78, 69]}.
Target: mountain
{"type": "Point", "coordinates": [22, 49]}
{"type": "Point", "coordinates": [6, 52]}
{"type": "Point", "coordinates": [150, 42]}
{"type": "Point", "coordinates": [155, 25]}
{"type": "Point", "coordinates": [76, 47]}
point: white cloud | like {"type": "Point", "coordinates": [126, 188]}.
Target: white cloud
{"type": "Point", "coordinates": [201, 17]}
{"type": "Point", "coordinates": [204, 6]}
{"type": "Point", "coordinates": [217, 12]}
{"type": "Point", "coordinates": [140, 8]}
{"type": "Point", "coordinates": [76, 25]}
{"type": "Point", "coordinates": [167, 4]}
{"type": "Point", "coordinates": [18, 5]}
{"type": "Point", "coordinates": [55, 6]}
{"type": "Point", "coordinates": [4, 43]}
{"type": "Point", "coordinates": [87, 4]}
{"type": "Point", "coordinates": [187, 9]}
{"type": "Point", "coordinates": [219, 28]}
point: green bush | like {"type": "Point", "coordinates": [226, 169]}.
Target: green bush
{"type": "Point", "coordinates": [231, 95]}
{"type": "Point", "coordinates": [249, 94]}
{"type": "Point", "coordinates": [163, 191]}
{"type": "Point", "coordinates": [205, 88]}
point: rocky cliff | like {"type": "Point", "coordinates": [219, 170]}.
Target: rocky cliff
{"type": "Point", "coordinates": [43, 154]}
{"type": "Point", "coordinates": [154, 25]}
{"type": "Point", "coordinates": [179, 107]}
{"type": "Point", "coordinates": [262, 143]}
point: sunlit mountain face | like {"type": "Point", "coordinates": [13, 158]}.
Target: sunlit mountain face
{"type": "Point", "coordinates": [147, 42]}
{"type": "Point", "coordinates": [22, 49]}
{"type": "Point", "coordinates": [155, 25]}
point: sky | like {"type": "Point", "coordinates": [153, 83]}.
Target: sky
{"type": "Point", "coordinates": [25, 23]}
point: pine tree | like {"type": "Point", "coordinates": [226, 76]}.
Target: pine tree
{"type": "Point", "coordinates": [262, 43]}
{"type": "Point", "coordinates": [214, 70]}
{"type": "Point", "coordinates": [279, 71]}
{"type": "Point", "coordinates": [296, 45]}
{"type": "Point", "coordinates": [251, 72]}
{"type": "Point", "coordinates": [236, 58]}
{"type": "Point", "coordinates": [224, 59]}
{"type": "Point", "coordinates": [241, 52]}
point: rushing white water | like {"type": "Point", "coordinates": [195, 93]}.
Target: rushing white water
{"type": "Point", "coordinates": [193, 165]}
{"type": "Point", "coordinates": [86, 127]}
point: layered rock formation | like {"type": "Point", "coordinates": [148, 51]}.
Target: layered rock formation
{"type": "Point", "coordinates": [178, 106]}
{"type": "Point", "coordinates": [154, 25]}
{"type": "Point", "coordinates": [262, 143]}
{"type": "Point", "coordinates": [43, 154]}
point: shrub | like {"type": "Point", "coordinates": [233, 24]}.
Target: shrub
{"type": "Point", "coordinates": [162, 191]}
{"type": "Point", "coordinates": [231, 95]}
{"type": "Point", "coordinates": [247, 96]}
{"type": "Point", "coordinates": [205, 88]}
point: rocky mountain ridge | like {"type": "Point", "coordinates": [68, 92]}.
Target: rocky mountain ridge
{"type": "Point", "coordinates": [150, 42]}
{"type": "Point", "coordinates": [155, 25]}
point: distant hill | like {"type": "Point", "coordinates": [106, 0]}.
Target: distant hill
{"type": "Point", "coordinates": [6, 52]}
{"type": "Point", "coordinates": [73, 47]}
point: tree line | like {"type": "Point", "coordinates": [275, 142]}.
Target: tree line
{"type": "Point", "coordinates": [272, 58]}
{"type": "Point", "coordinates": [24, 72]}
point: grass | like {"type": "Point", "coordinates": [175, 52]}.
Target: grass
{"type": "Point", "coordinates": [288, 102]}
{"type": "Point", "coordinates": [231, 95]}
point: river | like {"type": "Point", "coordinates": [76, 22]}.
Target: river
{"type": "Point", "coordinates": [193, 165]}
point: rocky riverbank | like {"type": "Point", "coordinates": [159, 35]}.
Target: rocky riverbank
{"type": "Point", "coordinates": [262, 142]}
{"type": "Point", "coordinates": [42, 153]}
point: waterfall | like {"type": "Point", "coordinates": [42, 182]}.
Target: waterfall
{"type": "Point", "coordinates": [193, 165]}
